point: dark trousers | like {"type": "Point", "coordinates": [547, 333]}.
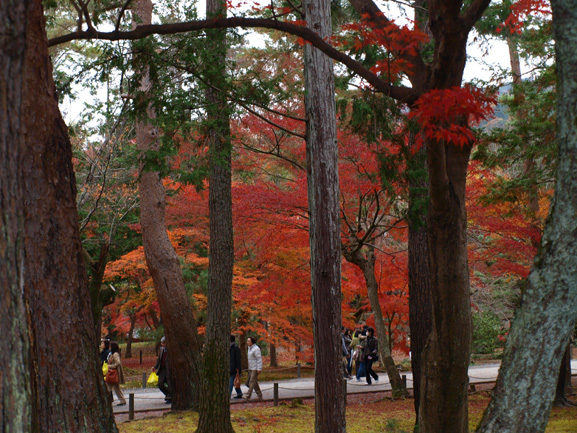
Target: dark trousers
{"type": "Point", "coordinates": [164, 383]}
{"type": "Point", "coordinates": [369, 370]}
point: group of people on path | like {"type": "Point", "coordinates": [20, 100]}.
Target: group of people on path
{"type": "Point", "coordinates": [254, 357]}
{"type": "Point", "coordinates": [110, 355]}
{"type": "Point", "coordinates": [362, 349]}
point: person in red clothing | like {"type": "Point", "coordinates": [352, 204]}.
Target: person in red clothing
{"type": "Point", "coordinates": [161, 368]}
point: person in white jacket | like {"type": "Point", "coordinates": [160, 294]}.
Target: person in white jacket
{"type": "Point", "coordinates": [254, 368]}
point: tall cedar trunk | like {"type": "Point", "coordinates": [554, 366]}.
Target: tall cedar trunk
{"type": "Point", "coordinates": [419, 278]}
{"type": "Point", "coordinates": [545, 319]}
{"type": "Point", "coordinates": [161, 259]}
{"type": "Point", "coordinates": [15, 389]}
{"type": "Point", "coordinates": [215, 399]}
{"type": "Point", "coordinates": [367, 265]}
{"type": "Point", "coordinates": [325, 242]}
{"type": "Point", "coordinates": [71, 399]}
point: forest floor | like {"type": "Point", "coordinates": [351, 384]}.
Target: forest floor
{"type": "Point", "coordinates": [366, 413]}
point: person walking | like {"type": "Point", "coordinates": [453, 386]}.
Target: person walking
{"type": "Point", "coordinates": [361, 370]}
{"type": "Point", "coordinates": [345, 353]}
{"type": "Point", "coordinates": [254, 368]}
{"type": "Point", "coordinates": [105, 351]}
{"type": "Point", "coordinates": [371, 355]}
{"type": "Point", "coordinates": [235, 367]}
{"type": "Point", "coordinates": [114, 363]}
{"type": "Point", "coordinates": [161, 368]}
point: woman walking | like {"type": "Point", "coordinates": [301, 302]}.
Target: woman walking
{"type": "Point", "coordinates": [115, 364]}
{"type": "Point", "coordinates": [254, 368]}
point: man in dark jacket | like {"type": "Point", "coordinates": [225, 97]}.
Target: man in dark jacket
{"type": "Point", "coordinates": [161, 368]}
{"type": "Point", "coordinates": [371, 355]}
{"type": "Point", "coordinates": [235, 366]}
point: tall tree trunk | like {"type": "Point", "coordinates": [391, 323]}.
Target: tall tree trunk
{"type": "Point", "coordinates": [71, 399]}
{"type": "Point", "coordinates": [215, 400]}
{"type": "Point", "coordinates": [544, 321]}
{"type": "Point", "coordinates": [325, 242]}
{"type": "Point", "coordinates": [367, 265]}
{"type": "Point", "coordinates": [419, 277]}
{"type": "Point", "coordinates": [15, 381]}
{"type": "Point", "coordinates": [444, 378]}
{"type": "Point", "coordinates": [161, 259]}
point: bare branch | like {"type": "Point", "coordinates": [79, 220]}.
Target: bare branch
{"type": "Point", "coordinates": [400, 93]}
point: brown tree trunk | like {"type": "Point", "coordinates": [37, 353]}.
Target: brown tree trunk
{"type": "Point", "coordinates": [130, 337]}
{"type": "Point", "coordinates": [444, 389]}
{"type": "Point", "coordinates": [325, 242]}
{"type": "Point", "coordinates": [73, 398]}
{"type": "Point", "coordinates": [273, 360]}
{"type": "Point", "coordinates": [419, 277]}
{"type": "Point", "coordinates": [162, 261]}
{"type": "Point", "coordinates": [15, 393]}
{"type": "Point", "coordinates": [545, 319]}
{"type": "Point", "coordinates": [215, 400]}
{"type": "Point", "coordinates": [367, 266]}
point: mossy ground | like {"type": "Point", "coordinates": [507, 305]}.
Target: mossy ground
{"type": "Point", "coordinates": [365, 414]}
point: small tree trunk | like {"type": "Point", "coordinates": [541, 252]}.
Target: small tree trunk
{"type": "Point", "coordinates": [367, 266]}
{"type": "Point", "coordinates": [545, 319]}
{"type": "Point", "coordinates": [273, 360]}
{"type": "Point", "coordinates": [325, 242]}
{"type": "Point", "coordinates": [71, 399]}
{"type": "Point", "coordinates": [128, 353]}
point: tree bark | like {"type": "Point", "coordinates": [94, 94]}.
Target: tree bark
{"type": "Point", "coordinates": [161, 259]}
{"type": "Point", "coordinates": [15, 380]}
{"type": "Point", "coordinates": [73, 398]}
{"type": "Point", "coordinates": [273, 360]}
{"type": "Point", "coordinates": [325, 242]}
{"type": "Point", "coordinates": [444, 378]}
{"type": "Point", "coordinates": [544, 321]}
{"type": "Point", "coordinates": [215, 399]}
{"type": "Point", "coordinates": [367, 265]}
{"type": "Point", "coordinates": [419, 276]}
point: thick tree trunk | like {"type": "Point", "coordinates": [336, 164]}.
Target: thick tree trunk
{"type": "Point", "coordinates": [419, 277]}
{"type": "Point", "coordinates": [325, 242]}
{"type": "Point", "coordinates": [15, 382]}
{"type": "Point", "coordinates": [367, 266]}
{"type": "Point", "coordinates": [444, 378]}
{"type": "Point", "coordinates": [162, 261]}
{"type": "Point", "coordinates": [215, 399]}
{"type": "Point", "coordinates": [546, 317]}
{"type": "Point", "coordinates": [71, 399]}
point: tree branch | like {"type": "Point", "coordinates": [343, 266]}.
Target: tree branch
{"type": "Point", "coordinates": [400, 93]}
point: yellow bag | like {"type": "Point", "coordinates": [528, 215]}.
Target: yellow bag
{"type": "Point", "coordinates": [105, 369]}
{"type": "Point", "coordinates": [152, 379]}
